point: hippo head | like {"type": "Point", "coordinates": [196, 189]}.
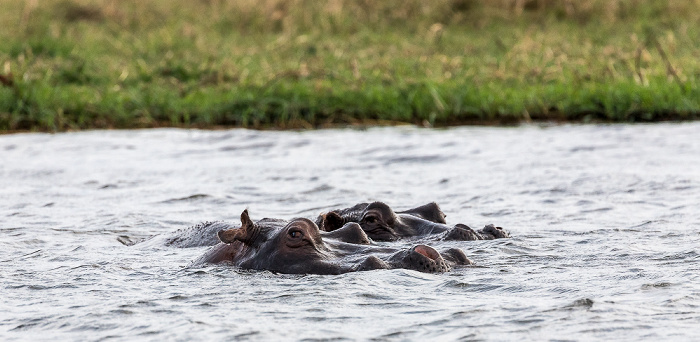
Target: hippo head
{"type": "Point", "coordinates": [295, 247]}
{"type": "Point", "coordinates": [376, 219]}
{"type": "Point", "coordinates": [381, 223]}
{"type": "Point", "coordinates": [300, 233]}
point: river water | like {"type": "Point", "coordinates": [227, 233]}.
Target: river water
{"type": "Point", "coordinates": [605, 222]}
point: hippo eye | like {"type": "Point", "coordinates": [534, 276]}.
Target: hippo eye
{"type": "Point", "coordinates": [295, 234]}
{"type": "Point", "coordinates": [370, 219]}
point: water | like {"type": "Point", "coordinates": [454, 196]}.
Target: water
{"type": "Point", "coordinates": [604, 219]}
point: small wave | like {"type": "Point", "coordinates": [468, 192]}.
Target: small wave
{"type": "Point", "coordinates": [374, 296]}
{"type": "Point", "coordinates": [30, 324]}
{"type": "Point", "coordinates": [43, 287]}
{"type": "Point", "coordinates": [320, 188]}
{"type": "Point", "coordinates": [640, 225]}
{"type": "Point", "coordinates": [139, 304]}
{"type": "Point", "coordinates": [457, 284]}
{"type": "Point", "coordinates": [245, 335]}
{"type": "Point", "coordinates": [476, 287]}
{"type": "Point", "coordinates": [34, 254]}
{"type": "Point", "coordinates": [247, 147]}
{"type": "Point", "coordinates": [683, 256]}
{"type": "Point", "coordinates": [589, 148]}
{"type": "Point", "coordinates": [121, 312]}
{"type": "Point", "coordinates": [499, 213]}
{"type": "Point", "coordinates": [403, 334]}
{"type": "Point", "coordinates": [416, 159]}
{"type": "Point", "coordinates": [597, 210]}
{"type": "Point", "coordinates": [194, 197]}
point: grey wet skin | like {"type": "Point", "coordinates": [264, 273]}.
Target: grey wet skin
{"type": "Point", "coordinates": [298, 246]}
{"type": "Point", "coordinates": [382, 223]}
{"type": "Point", "coordinates": [202, 234]}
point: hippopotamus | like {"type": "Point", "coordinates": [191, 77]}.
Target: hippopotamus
{"type": "Point", "coordinates": [381, 223]}
{"type": "Point", "coordinates": [299, 246]}
{"type": "Point", "coordinates": [199, 235]}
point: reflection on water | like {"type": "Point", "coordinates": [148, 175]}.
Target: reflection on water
{"type": "Point", "coordinates": [604, 222]}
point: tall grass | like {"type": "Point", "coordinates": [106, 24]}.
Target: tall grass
{"type": "Point", "coordinates": [73, 64]}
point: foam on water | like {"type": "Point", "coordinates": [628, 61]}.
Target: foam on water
{"type": "Point", "coordinates": [604, 222]}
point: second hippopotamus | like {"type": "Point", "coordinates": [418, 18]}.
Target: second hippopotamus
{"type": "Point", "coordinates": [381, 223]}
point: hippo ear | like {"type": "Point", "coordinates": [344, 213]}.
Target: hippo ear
{"type": "Point", "coordinates": [245, 220]}
{"type": "Point", "coordinates": [242, 234]}
{"type": "Point", "coordinates": [331, 221]}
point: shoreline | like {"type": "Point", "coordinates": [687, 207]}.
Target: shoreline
{"type": "Point", "coordinates": [369, 124]}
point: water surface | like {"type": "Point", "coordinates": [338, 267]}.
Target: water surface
{"type": "Point", "coordinates": [605, 226]}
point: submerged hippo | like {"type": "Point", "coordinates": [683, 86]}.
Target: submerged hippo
{"type": "Point", "coordinates": [298, 246]}
{"type": "Point", "coordinates": [381, 223]}
{"type": "Point", "coordinates": [202, 234]}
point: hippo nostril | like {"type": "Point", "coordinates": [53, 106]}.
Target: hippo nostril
{"type": "Point", "coordinates": [427, 251]}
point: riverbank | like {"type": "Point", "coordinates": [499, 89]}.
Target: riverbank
{"type": "Point", "coordinates": [73, 64]}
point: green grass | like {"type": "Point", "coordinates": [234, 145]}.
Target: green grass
{"type": "Point", "coordinates": [77, 64]}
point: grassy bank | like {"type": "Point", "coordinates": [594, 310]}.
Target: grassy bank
{"type": "Point", "coordinates": [74, 64]}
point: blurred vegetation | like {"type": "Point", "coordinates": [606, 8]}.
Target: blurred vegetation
{"type": "Point", "coordinates": [76, 64]}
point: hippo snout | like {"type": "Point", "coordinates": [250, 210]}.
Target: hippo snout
{"type": "Point", "coordinates": [427, 259]}
{"type": "Point", "coordinates": [421, 258]}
